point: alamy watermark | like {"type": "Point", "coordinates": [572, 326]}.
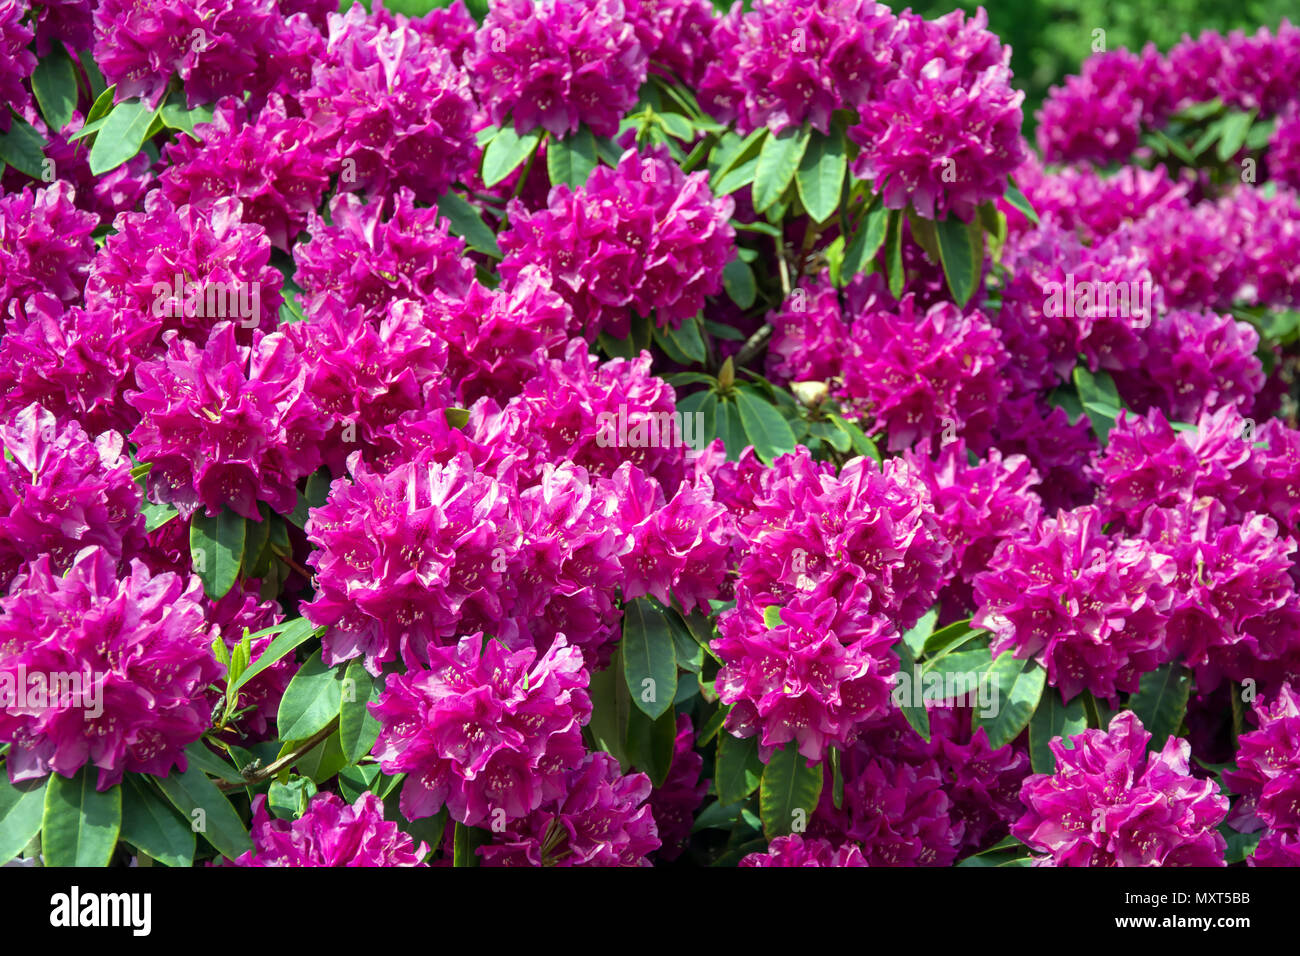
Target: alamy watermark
{"type": "Point", "coordinates": [209, 300]}
{"type": "Point", "coordinates": [624, 429]}
{"type": "Point", "coordinates": [1087, 298]}
{"type": "Point", "coordinates": [950, 688]}
{"type": "Point", "coordinates": [21, 690]}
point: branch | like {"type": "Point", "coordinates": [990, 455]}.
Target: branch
{"type": "Point", "coordinates": [288, 760]}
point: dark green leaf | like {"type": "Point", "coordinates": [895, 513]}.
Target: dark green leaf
{"type": "Point", "coordinates": [200, 756]}
{"type": "Point", "coordinates": [507, 152]}
{"type": "Point", "coordinates": [789, 792]}
{"type": "Point", "coordinates": [207, 809]}
{"type": "Point", "coordinates": [311, 700]}
{"type": "Point", "coordinates": [22, 148]}
{"type": "Point", "coordinates": [961, 257]}
{"type": "Point", "coordinates": [121, 137]}
{"type": "Point", "coordinates": [1235, 128]}
{"type": "Point", "coordinates": [894, 254]}
{"type": "Point", "coordinates": [1012, 710]}
{"type": "Point", "coordinates": [732, 151]}
{"type": "Point", "coordinates": [730, 429]}
{"type": "Point", "coordinates": [820, 175]}
{"type": "Point", "coordinates": [866, 242]}
{"type": "Point", "coordinates": [948, 638]}
{"type": "Point", "coordinates": [217, 549]}
{"type": "Point", "coordinates": [324, 760]}
{"type": "Point", "coordinates": [571, 160]}
{"type": "Point", "coordinates": [1016, 199]}
{"type": "Point", "coordinates": [21, 808]}
{"type": "Point", "coordinates": [54, 81]}
{"type": "Point", "coordinates": [293, 634]}
{"type": "Point", "coordinates": [764, 427]}
{"type": "Point", "coordinates": [81, 825]}
{"type": "Point", "coordinates": [1053, 718]}
{"type": "Point", "coordinates": [466, 222]}
{"type": "Point", "coordinates": [907, 694]}
{"type": "Point", "coordinates": [777, 162]}
{"type": "Point", "coordinates": [152, 825]}
{"type": "Point", "coordinates": [649, 657]}
{"type": "Point", "coordinates": [611, 706]}
{"type": "Point", "coordinates": [1161, 702]}
{"type": "Point", "coordinates": [737, 769]}
{"type": "Point", "coordinates": [650, 743]}
{"type": "Point", "coordinates": [738, 280]}
{"type": "Point", "coordinates": [916, 636]}
{"type": "Point", "coordinates": [1099, 398]}
{"type": "Point", "coordinates": [358, 729]}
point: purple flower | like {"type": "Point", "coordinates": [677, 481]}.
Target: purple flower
{"type": "Point", "coordinates": [408, 558]}
{"type": "Point", "coordinates": [330, 833]}
{"type": "Point", "coordinates": [677, 36]}
{"type": "Point", "coordinates": [226, 425]}
{"type": "Point", "coordinates": [810, 333]}
{"type": "Point", "coordinates": [557, 64]}
{"type": "Point", "coordinates": [926, 377]}
{"type": "Point", "coordinates": [602, 818]}
{"type": "Point", "coordinates": [1097, 115]}
{"type": "Point", "coordinates": [45, 243]}
{"type": "Point", "coordinates": [794, 850]}
{"type": "Point", "coordinates": [137, 648]}
{"type": "Point", "coordinates": [16, 61]}
{"type": "Point", "coordinates": [1284, 148]}
{"type": "Point", "coordinates": [370, 254]}
{"type": "Point", "coordinates": [1111, 803]}
{"type": "Point", "coordinates": [642, 238]}
{"type": "Point", "coordinates": [1057, 450]}
{"type": "Point", "coordinates": [486, 731]}
{"type": "Point", "coordinates": [787, 62]}
{"type": "Point", "coordinates": [61, 492]}
{"type": "Point", "coordinates": [268, 164]}
{"type": "Point", "coordinates": [1087, 607]}
{"type": "Point", "coordinates": [215, 47]}
{"type": "Point", "coordinates": [1267, 775]}
{"type": "Point", "coordinates": [944, 132]}
{"type": "Point", "coordinates": [62, 22]}
{"type": "Point", "coordinates": [390, 108]}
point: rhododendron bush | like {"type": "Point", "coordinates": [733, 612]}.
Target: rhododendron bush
{"type": "Point", "coordinates": [637, 432]}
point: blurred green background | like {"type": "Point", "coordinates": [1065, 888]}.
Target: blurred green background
{"type": "Point", "coordinates": [1050, 38]}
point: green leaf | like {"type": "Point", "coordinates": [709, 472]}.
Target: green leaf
{"type": "Point", "coordinates": [81, 825]}
{"type": "Point", "coordinates": [292, 634]}
{"type": "Point", "coordinates": [311, 700]}
{"type": "Point", "coordinates": [789, 792]}
{"type": "Point", "coordinates": [1241, 846]}
{"type": "Point", "coordinates": [717, 815]}
{"type": "Point", "coordinates": [961, 256]}
{"type": "Point", "coordinates": [22, 148]}
{"type": "Point", "coordinates": [1053, 718]}
{"type": "Point", "coordinates": [176, 115]}
{"type": "Point", "coordinates": [466, 222]}
{"type": "Point", "coordinates": [720, 331]}
{"type": "Point", "coordinates": [199, 755]}
{"type": "Point", "coordinates": [948, 639]}
{"type": "Point", "coordinates": [677, 126]}
{"type": "Point", "coordinates": [737, 769]}
{"type": "Point", "coordinates": [858, 439]}
{"type": "Point", "coordinates": [358, 729]}
{"type": "Point", "coordinates": [1100, 400]}
{"type": "Point", "coordinates": [507, 152]}
{"type": "Point", "coordinates": [738, 280]}
{"type": "Point", "coordinates": [777, 162]}
{"type": "Point", "coordinates": [730, 429]}
{"type": "Point", "coordinates": [764, 427]}
{"type": "Point", "coordinates": [732, 152]}
{"type": "Point", "coordinates": [314, 496]}
{"type": "Point", "coordinates": [907, 693]}
{"type": "Point", "coordinates": [217, 549]}
{"type": "Point", "coordinates": [649, 657]}
{"type": "Point", "coordinates": [867, 241]}
{"type": "Point", "coordinates": [207, 809]}
{"type": "Point", "coordinates": [712, 726]}
{"type": "Point", "coordinates": [650, 743]}
{"type": "Point", "coordinates": [121, 137]}
{"type": "Point", "coordinates": [820, 176]}
{"type": "Point", "coordinates": [324, 760]}
{"type": "Point", "coordinates": [54, 81]}
{"type": "Point", "coordinates": [103, 104]}
{"type": "Point", "coordinates": [355, 781]}
{"type": "Point", "coordinates": [916, 636]}
{"type": "Point", "coordinates": [738, 178]}
{"type": "Point", "coordinates": [152, 825]}
{"type": "Point", "coordinates": [21, 808]}
{"type": "Point", "coordinates": [1016, 199]}
{"type": "Point", "coordinates": [894, 254]}
{"type": "Point", "coordinates": [687, 340]}
{"type": "Point", "coordinates": [1235, 127]}
{"type": "Point", "coordinates": [611, 707]}
{"type": "Point", "coordinates": [571, 160]}
{"type": "Point", "coordinates": [1013, 709]}
{"type": "Point", "coordinates": [1161, 702]}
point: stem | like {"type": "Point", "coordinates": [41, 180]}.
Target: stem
{"type": "Point", "coordinates": [269, 771]}
{"type": "Point", "coordinates": [753, 345]}
{"type": "Point", "coordinates": [528, 168]}
{"type": "Point", "coordinates": [288, 559]}
{"type": "Point", "coordinates": [781, 267]}
{"type": "Point", "coordinates": [1090, 708]}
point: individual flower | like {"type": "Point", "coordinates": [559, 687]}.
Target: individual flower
{"type": "Point", "coordinates": [214, 47]}
{"type": "Point", "coordinates": [16, 61]}
{"type": "Point", "coordinates": [558, 64]}
{"type": "Point", "coordinates": [786, 62]}
{"type": "Point", "coordinates": [365, 374]}
{"type": "Point", "coordinates": [390, 108]}
{"type": "Point", "coordinates": [450, 28]}
{"type": "Point", "coordinates": [810, 333]}
{"type": "Point", "coordinates": [642, 238]}
{"type": "Point", "coordinates": [497, 340]}
{"type": "Point", "coordinates": [188, 268]}
{"type": "Point", "coordinates": [330, 833]}
{"type": "Point", "coordinates": [602, 818]}
{"type": "Point", "coordinates": [943, 134]}
{"type": "Point", "coordinates": [65, 22]}
{"type": "Point", "coordinates": [1111, 803]}
{"type": "Point", "coordinates": [131, 657]}
{"type": "Point", "coordinates": [677, 36]}
{"type": "Point", "coordinates": [408, 558]}
{"type": "Point", "coordinates": [485, 731]}
{"type": "Point", "coordinates": [1088, 608]}
{"type": "Point", "coordinates": [61, 491]}
{"type": "Point", "coordinates": [794, 850]}
{"type": "Point", "coordinates": [45, 243]}
{"type": "Point", "coordinates": [370, 254]}
{"type": "Point", "coordinates": [926, 376]}
{"type": "Point", "coordinates": [228, 425]}
{"type": "Point", "coordinates": [269, 164]}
